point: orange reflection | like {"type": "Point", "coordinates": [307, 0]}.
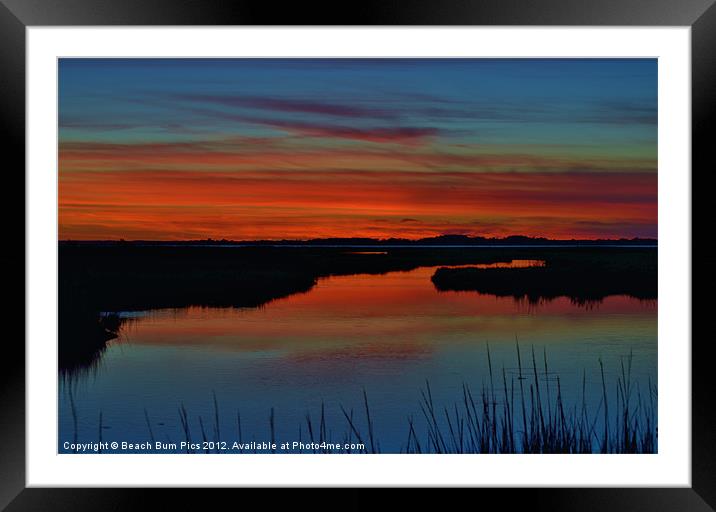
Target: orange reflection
{"type": "Point", "coordinates": [395, 315]}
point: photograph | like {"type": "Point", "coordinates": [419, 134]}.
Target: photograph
{"type": "Point", "coordinates": [359, 255]}
{"type": "Point", "coordinates": [395, 247]}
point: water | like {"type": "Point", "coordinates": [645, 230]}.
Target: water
{"type": "Point", "coordinates": [386, 334]}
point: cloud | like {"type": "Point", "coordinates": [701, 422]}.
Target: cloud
{"type": "Point", "coordinates": [290, 105]}
{"type": "Point", "coordinates": [298, 153]}
{"type": "Point", "coordinates": [379, 134]}
{"type": "Point", "coordinates": [409, 134]}
{"type": "Point", "coordinates": [96, 125]}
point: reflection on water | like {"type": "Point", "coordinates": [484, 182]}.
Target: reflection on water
{"type": "Point", "coordinates": [511, 264]}
{"type": "Point", "coordinates": [386, 334]}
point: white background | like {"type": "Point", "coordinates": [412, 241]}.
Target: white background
{"type": "Point", "coordinates": [672, 464]}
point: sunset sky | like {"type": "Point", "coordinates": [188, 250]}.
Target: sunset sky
{"type": "Point", "coordinates": [244, 149]}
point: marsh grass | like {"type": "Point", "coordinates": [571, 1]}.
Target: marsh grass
{"type": "Point", "coordinates": [514, 411]}
{"type": "Point", "coordinates": [485, 423]}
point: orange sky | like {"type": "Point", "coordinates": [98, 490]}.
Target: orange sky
{"type": "Point", "coordinates": [166, 205]}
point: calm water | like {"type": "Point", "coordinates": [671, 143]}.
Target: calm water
{"type": "Point", "coordinates": [386, 334]}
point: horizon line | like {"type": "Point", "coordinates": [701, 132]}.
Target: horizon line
{"type": "Point", "coordinates": [348, 238]}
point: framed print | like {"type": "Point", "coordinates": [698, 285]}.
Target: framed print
{"type": "Point", "coordinates": [422, 247]}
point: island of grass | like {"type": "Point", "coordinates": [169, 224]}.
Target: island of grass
{"type": "Point", "coordinates": [584, 276]}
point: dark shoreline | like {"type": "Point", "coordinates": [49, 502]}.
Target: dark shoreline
{"type": "Point", "coordinates": [587, 280]}
{"type": "Point", "coordinates": [96, 278]}
{"type": "Point", "coordinates": [443, 241]}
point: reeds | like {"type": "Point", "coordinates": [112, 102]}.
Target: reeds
{"type": "Point", "coordinates": [527, 416]}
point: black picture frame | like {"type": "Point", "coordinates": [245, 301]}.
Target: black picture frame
{"type": "Point", "coordinates": [17, 15]}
